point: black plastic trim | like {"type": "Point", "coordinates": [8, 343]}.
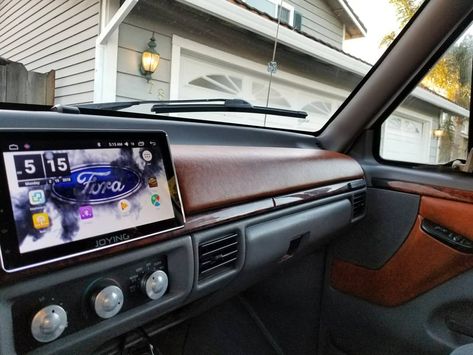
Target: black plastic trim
{"type": "Point", "coordinates": [446, 236]}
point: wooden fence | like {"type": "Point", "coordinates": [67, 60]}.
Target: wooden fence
{"type": "Point", "coordinates": [19, 85]}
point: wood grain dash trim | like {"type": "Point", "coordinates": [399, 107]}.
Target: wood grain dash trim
{"type": "Point", "coordinates": [213, 177]}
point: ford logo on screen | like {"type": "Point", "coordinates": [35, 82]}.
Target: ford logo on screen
{"type": "Point", "coordinates": [97, 184]}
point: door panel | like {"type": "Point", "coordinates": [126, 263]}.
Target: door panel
{"type": "Point", "coordinates": [375, 239]}
{"type": "Point", "coordinates": [419, 265]}
{"type": "Point", "coordinates": [397, 289]}
{"type": "Point", "coordinates": [419, 326]}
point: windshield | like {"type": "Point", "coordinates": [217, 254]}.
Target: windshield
{"type": "Point", "coordinates": [302, 55]}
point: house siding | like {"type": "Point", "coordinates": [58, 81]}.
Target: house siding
{"type": "Point", "coordinates": [53, 35]}
{"type": "Point", "coordinates": [319, 21]}
{"type": "Point", "coordinates": [137, 28]}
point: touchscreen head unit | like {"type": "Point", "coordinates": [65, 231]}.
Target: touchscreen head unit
{"type": "Point", "coordinates": [71, 193]}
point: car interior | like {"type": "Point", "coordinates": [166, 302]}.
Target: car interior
{"type": "Point", "coordinates": [259, 240]}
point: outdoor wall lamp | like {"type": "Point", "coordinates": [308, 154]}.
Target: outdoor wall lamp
{"type": "Point", "coordinates": [438, 133]}
{"type": "Point", "coordinates": [149, 59]}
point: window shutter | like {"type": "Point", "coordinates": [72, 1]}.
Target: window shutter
{"type": "Point", "coordinates": [297, 21]}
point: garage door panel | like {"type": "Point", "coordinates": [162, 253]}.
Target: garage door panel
{"type": "Point", "coordinates": [202, 76]}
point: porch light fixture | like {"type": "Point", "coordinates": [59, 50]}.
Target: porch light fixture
{"type": "Point", "coordinates": [149, 59]}
{"type": "Point", "coordinates": [438, 133]}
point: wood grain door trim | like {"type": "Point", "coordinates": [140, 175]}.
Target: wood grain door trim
{"type": "Point", "coordinates": [419, 265]}
{"type": "Point", "coordinates": [442, 192]}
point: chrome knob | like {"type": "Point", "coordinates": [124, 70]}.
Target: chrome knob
{"type": "Point", "coordinates": [49, 323]}
{"type": "Point", "coordinates": [108, 301]}
{"type": "Point", "coordinates": [155, 284]}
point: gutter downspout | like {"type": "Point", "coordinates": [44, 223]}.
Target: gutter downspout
{"type": "Point", "coordinates": [106, 48]}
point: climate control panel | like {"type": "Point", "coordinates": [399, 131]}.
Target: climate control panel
{"type": "Point", "coordinates": [66, 308]}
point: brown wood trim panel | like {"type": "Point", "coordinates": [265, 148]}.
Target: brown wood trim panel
{"type": "Point", "coordinates": [455, 216]}
{"type": "Point", "coordinates": [421, 263]}
{"type": "Point", "coordinates": [427, 190]}
{"type": "Point", "coordinates": [212, 177]}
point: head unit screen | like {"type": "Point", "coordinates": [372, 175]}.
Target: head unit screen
{"type": "Point", "coordinates": [101, 186]}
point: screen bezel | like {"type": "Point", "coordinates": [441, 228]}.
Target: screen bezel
{"type": "Point", "coordinates": [11, 258]}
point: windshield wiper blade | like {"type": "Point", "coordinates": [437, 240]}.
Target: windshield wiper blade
{"type": "Point", "coordinates": [201, 105]}
{"type": "Point", "coordinates": [225, 105]}
{"type": "Point", "coordinates": [115, 106]}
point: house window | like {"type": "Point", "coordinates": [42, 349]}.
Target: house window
{"type": "Point", "coordinates": [271, 7]}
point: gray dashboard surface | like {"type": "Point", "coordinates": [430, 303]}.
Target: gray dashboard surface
{"type": "Point", "coordinates": [179, 132]}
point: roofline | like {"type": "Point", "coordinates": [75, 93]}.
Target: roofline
{"type": "Point", "coordinates": [439, 101]}
{"type": "Point", "coordinates": [353, 16]}
{"type": "Point", "coordinates": [253, 22]}
{"type": "Point", "coordinates": [354, 28]}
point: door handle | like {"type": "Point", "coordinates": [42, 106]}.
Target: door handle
{"type": "Point", "coordinates": [446, 236]}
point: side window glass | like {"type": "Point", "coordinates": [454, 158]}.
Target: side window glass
{"type": "Point", "coordinates": [436, 134]}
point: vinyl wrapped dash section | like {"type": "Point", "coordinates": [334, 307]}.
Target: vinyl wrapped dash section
{"type": "Point", "coordinates": [212, 177]}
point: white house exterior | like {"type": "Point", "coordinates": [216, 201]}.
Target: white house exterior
{"type": "Point", "coordinates": [56, 35]}
{"type": "Point", "coordinates": [212, 48]}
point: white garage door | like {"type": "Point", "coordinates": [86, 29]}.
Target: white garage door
{"type": "Point", "coordinates": [205, 77]}
{"type": "Point", "coordinates": [406, 139]}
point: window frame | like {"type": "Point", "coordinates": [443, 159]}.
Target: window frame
{"type": "Point", "coordinates": [284, 5]}
{"type": "Point", "coordinates": [378, 129]}
{"type": "Point", "coordinates": [376, 150]}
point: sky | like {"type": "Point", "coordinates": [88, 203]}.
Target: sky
{"type": "Point", "coordinates": [379, 18]}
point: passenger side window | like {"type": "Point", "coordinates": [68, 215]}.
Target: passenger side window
{"type": "Point", "coordinates": [436, 133]}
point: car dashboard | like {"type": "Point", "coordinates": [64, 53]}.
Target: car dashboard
{"type": "Point", "coordinates": [245, 201]}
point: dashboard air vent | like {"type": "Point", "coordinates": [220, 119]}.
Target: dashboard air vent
{"type": "Point", "coordinates": [218, 255]}
{"type": "Point", "coordinates": [359, 204]}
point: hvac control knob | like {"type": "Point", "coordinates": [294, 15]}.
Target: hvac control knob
{"type": "Point", "coordinates": [49, 323]}
{"type": "Point", "coordinates": [108, 301]}
{"type": "Point", "coordinates": [155, 284]}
